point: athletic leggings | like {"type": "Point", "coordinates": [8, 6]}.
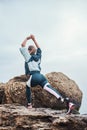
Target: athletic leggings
{"type": "Point", "coordinates": [39, 79]}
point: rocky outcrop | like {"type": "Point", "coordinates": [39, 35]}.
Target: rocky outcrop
{"type": "Point", "coordinates": [66, 86]}
{"type": "Point", "coordinates": [14, 91]}
{"type": "Point", "coordinates": [2, 93]}
{"type": "Point", "coordinates": [16, 117]}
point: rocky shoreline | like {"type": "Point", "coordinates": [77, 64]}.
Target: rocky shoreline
{"type": "Point", "coordinates": [48, 113]}
{"type": "Point", "coordinates": [17, 117]}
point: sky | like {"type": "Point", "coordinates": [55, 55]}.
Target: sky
{"type": "Point", "coordinates": [60, 27]}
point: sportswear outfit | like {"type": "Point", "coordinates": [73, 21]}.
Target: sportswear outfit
{"type": "Point", "coordinates": [32, 64]}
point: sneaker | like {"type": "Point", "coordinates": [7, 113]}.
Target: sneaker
{"type": "Point", "coordinates": [71, 106]}
{"type": "Point", "coordinates": [61, 99]}
{"type": "Point", "coordinates": [67, 100]}
{"type": "Point", "coordinates": [29, 106]}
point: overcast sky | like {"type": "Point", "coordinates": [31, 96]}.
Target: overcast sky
{"type": "Point", "coordinates": [60, 27]}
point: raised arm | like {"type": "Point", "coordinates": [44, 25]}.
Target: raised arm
{"type": "Point", "coordinates": [24, 50]}
{"type": "Point", "coordinates": [23, 44]}
{"type": "Point", "coordinates": [34, 40]}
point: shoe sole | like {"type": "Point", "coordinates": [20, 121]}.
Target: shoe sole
{"type": "Point", "coordinates": [70, 110]}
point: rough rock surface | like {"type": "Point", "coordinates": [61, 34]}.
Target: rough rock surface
{"type": "Point", "coordinates": [2, 93]}
{"type": "Point", "coordinates": [14, 91]}
{"type": "Point", "coordinates": [16, 117]}
{"type": "Point", "coordinates": [66, 86]}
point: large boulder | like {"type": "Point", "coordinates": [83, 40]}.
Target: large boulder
{"type": "Point", "coordinates": [66, 86]}
{"type": "Point", "coordinates": [15, 91]}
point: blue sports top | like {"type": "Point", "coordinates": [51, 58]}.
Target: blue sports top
{"type": "Point", "coordinates": [33, 61]}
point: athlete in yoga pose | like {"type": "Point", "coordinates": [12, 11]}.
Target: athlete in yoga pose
{"type": "Point", "coordinates": [32, 57]}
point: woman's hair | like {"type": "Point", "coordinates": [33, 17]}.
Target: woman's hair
{"type": "Point", "coordinates": [31, 47]}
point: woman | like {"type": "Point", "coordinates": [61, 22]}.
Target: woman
{"type": "Point", "coordinates": [32, 57]}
